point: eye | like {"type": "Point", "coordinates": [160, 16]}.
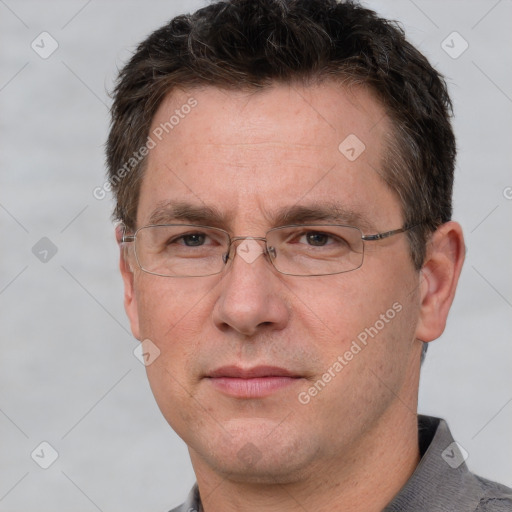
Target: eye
{"type": "Point", "coordinates": [192, 239]}
{"type": "Point", "coordinates": [312, 239]}
{"type": "Point", "coordinates": [317, 238]}
{"type": "Point", "coordinates": [188, 239]}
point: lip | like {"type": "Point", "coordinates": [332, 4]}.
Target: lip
{"type": "Point", "coordinates": [256, 382]}
{"type": "Point", "coordinates": [250, 373]}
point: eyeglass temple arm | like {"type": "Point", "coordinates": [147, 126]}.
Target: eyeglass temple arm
{"type": "Point", "coordinates": [386, 234]}
{"type": "Point", "coordinates": [126, 238]}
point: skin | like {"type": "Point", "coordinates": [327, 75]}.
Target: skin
{"type": "Point", "coordinates": [354, 445]}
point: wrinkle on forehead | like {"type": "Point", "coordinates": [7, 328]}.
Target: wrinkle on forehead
{"type": "Point", "coordinates": [252, 155]}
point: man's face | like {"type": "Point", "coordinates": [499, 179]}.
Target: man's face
{"type": "Point", "coordinates": [250, 157]}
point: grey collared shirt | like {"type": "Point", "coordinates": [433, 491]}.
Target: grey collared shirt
{"type": "Point", "coordinates": [441, 482]}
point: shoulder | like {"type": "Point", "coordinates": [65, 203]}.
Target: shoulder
{"type": "Point", "coordinates": [442, 482]}
{"type": "Point", "coordinates": [494, 497]}
{"type": "Point", "coordinates": [192, 503]}
{"type": "Point", "coordinates": [186, 508]}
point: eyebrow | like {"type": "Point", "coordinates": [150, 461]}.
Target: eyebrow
{"type": "Point", "coordinates": [172, 211]}
{"type": "Point", "coordinates": [321, 212]}
{"type": "Point", "coordinates": [180, 211]}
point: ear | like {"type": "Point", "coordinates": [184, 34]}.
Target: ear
{"type": "Point", "coordinates": [438, 280]}
{"type": "Point", "coordinates": [126, 268]}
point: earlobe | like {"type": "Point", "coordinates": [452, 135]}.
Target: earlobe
{"type": "Point", "coordinates": [438, 279]}
{"type": "Point", "coordinates": [125, 266]}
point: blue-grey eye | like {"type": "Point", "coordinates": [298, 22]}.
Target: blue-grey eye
{"type": "Point", "coordinates": [194, 240]}
{"type": "Point", "coordinates": [317, 239]}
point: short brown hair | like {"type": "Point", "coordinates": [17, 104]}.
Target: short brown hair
{"type": "Point", "coordinates": [253, 44]}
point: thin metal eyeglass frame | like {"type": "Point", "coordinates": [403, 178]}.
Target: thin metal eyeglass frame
{"type": "Point", "coordinates": [366, 238]}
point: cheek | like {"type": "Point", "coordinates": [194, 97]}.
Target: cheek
{"type": "Point", "coordinates": [174, 317]}
{"type": "Point", "coordinates": [362, 310]}
{"type": "Point", "coordinates": [165, 305]}
{"type": "Point", "coordinates": [336, 308]}
{"type": "Point", "coordinates": [364, 343]}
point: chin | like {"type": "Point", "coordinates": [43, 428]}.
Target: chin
{"type": "Point", "coordinates": [275, 469]}
{"type": "Point", "coordinates": [258, 452]}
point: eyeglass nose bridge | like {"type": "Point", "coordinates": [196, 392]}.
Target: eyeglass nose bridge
{"type": "Point", "coordinates": [249, 258]}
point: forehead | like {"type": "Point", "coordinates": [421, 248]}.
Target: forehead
{"type": "Point", "coordinates": [251, 154]}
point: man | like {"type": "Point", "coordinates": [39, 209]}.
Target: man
{"type": "Point", "coordinates": [283, 173]}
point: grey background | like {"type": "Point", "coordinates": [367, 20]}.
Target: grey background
{"type": "Point", "coordinates": [67, 372]}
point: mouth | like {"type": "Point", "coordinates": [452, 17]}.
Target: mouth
{"type": "Point", "coordinates": [256, 382]}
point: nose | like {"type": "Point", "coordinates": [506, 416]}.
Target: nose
{"type": "Point", "coordinates": [252, 296]}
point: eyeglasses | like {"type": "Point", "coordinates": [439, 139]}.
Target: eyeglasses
{"type": "Point", "coordinates": [191, 250]}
